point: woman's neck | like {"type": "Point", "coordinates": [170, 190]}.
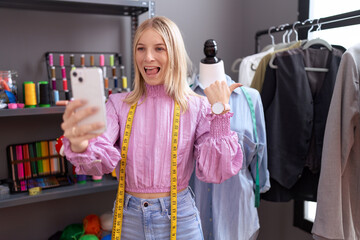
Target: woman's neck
{"type": "Point", "coordinates": [155, 90]}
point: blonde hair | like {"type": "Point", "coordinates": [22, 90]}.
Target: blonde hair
{"type": "Point", "coordinates": [176, 85]}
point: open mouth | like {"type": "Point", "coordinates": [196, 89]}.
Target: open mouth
{"type": "Point", "coordinates": [151, 70]}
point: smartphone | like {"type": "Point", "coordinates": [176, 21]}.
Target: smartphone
{"type": "Point", "coordinates": [88, 84]}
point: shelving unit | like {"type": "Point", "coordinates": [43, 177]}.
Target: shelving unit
{"type": "Point", "coordinates": [106, 184]}
{"type": "Point", "coordinates": [31, 111]}
{"type": "Point", "coordinates": [25, 125]}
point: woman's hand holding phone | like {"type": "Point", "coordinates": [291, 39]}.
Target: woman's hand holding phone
{"type": "Point", "coordinates": [79, 135]}
{"type": "Point", "coordinates": [85, 117]}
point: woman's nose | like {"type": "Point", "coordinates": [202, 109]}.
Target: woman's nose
{"type": "Point", "coordinates": [149, 56]}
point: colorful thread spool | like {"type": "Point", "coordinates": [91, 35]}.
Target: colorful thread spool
{"type": "Point", "coordinates": [29, 94]}
{"type": "Point", "coordinates": [61, 60]}
{"type": "Point", "coordinates": [56, 95]}
{"type": "Point", "coordinates": [124, 82]}
{"type": "Point", "coordinates": [101, 60]}
{"type": "Point", "coordinates": [44, 94]}
{"type": "Point", "coordinates": [111, 60]}
{"type": "Point", "coordinates": [82, 60]}
{"type": "Point", "coordinates": [51, 59]}
{"type": "Point", "coordinates": [92, 61]}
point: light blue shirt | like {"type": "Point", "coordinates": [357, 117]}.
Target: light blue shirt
{"type": "Point", "coordinates": [228, 210]}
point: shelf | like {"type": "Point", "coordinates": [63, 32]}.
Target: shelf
{"type": "Point", "coordinates": [107, 183]}
{"type": "Point", "coordinates": [107, 7]}
{"type": "Point", "coordinates": [31, 111]}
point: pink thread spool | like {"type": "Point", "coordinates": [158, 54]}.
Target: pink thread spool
{"type": "Point", "coordinates": [61, 58]}
{"type": "Point", "coordinates": [63, 72]}
{"type": "Point", "coordinates": [51, 59]}
{"type": "Point", "coordinates": [102, 60]}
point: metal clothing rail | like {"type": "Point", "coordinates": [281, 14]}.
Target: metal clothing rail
{"type": "Point", "coordinates": [335, 21]}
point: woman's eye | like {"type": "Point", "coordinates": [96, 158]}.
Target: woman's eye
{"type": "Point", "coordinates": [140, 49]}
{"type": "Point", "coordinates": [159, 49]}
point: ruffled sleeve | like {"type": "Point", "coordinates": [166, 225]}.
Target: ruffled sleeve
{"type": "Point", "coordinates": [101, 156]}
{"type": "Point", "coordinates": [217, 151]}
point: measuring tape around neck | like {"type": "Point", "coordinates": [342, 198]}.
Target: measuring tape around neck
{"type": "Point", "coordinates": [119, 204]}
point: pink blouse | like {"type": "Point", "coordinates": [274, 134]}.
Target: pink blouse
{"type": "Point", "coordinates": [204, 140]}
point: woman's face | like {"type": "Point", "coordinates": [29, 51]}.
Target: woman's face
{"type": "Point", "coordinates": [151, 57]}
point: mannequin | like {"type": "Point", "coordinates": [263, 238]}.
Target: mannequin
{"type": "Point", "coordinates": [227, 210]}
{"type": "Point", "coordinates": [211, 67]}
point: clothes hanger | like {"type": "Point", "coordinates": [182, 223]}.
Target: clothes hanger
{"type": "Point", "coordinates": [317, 41]}
{"type": "Point", "coordinates": [272, 40]}
{"type": "Point", "coordinates": [307, 45]}
{"type": "Point", "coordinates": [293, 30]}
{"type": "Point", "coordinates": [286, 32]}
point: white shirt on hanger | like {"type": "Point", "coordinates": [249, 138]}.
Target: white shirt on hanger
{"type": "Point", "coordinates": [248, 67]}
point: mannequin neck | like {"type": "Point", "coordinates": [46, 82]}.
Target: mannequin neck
{"type": "Point", "coordinates": [209, 73]}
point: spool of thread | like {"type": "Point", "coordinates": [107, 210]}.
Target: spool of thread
{"type": "Point", "coordinates": [111, 60]}
{"type": "Point", "coordinates": [115, 82]}
{"type": "Point", "coordinates": [72, 60]}
{"type": "Point", "coordinates": [81, 179]}
{"type": "Point", "coordinates": [82, 60]}
{"type": "Point", "coordinates": [53, 73]}
{"type": "Point", "coordinates": [61, 58]}
{"type": "Point", "coordinates": [124, 82]}
{"type": "Point", "coordinates": [64, 82]}
{"type": "Point", "coordinates": [53, 83]}
{"type": "Point", "coordinates": [104, 71]}
{"type": "Point", "coordinates": [51, 59]}
{"type": "Point", "coordinates": [44, 94]}
{"type": "Point", "coordinates": [106, 83]}
{"type": "Point", "coordinates": [92, 62]}
{"type": "Point", "coordinates": [96, 178]}
{"type": "Point", "coordinates": [56, 96]}
{"type": "Point", "coordinates": [101, 60]}
{"type": "Point", "coordinates": [63, 72]}
{"type": "Point", "coordinates": [113, 71]}
{"type": "Point", "coordinates": [29, 94]}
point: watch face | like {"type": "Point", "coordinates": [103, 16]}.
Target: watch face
{"type": "Point", "coordinates": [217, 108]}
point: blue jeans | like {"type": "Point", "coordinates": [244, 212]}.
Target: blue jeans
{"type": "Point", "coordinates": [149, 219]}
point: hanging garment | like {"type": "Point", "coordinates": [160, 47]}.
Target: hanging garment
{"type": "Point", "coordinates": [249, 65]}
{"type": "Point", "coordinates": [338, 202]}
{"type": "Point", "coordinates": [259, 76]}
{"type": "Point", "coordinates": [296, 104]}
{"type": "Point", "coordinates": [227, 210]}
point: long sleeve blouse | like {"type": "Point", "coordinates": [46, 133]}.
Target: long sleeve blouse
{"type": "Point", "coordinates": [204, 140]}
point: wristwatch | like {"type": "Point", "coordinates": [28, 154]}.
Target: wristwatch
{"type": "Point", "coordinates": [219, 107]}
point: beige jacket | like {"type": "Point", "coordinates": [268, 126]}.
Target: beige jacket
{"type": "Point", "coordinates": [338, 209]}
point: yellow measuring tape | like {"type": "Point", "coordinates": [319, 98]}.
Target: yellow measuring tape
{"type": "Point", "coordinates": [173, 192]}
{"type": "Point", "coordinates": [119, 204]}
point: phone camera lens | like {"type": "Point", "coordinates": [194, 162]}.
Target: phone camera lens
{"type": "Point", "coordinates": [80, 79]}
{"type": "Point", "coordinates": [74, 74]}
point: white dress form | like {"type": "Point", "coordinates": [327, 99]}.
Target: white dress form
{"type": "Point", "coordinates": [211, 68]}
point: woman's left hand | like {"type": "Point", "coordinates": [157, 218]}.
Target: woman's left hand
{"type": "Point", "coordinates": [219, 91]}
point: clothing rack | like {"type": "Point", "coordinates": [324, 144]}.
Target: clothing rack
{"type": "Point", "coordinates": [335, 21]}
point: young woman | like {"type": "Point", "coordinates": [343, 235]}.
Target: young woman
{"type": "Point", "coordinates": [204, 138]}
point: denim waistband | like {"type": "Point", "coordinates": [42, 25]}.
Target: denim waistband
{"type": "Point", "coordinates": [156, 204]}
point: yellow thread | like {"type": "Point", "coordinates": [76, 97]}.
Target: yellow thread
{"type": "Point", "coordinates": [30, 95]}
